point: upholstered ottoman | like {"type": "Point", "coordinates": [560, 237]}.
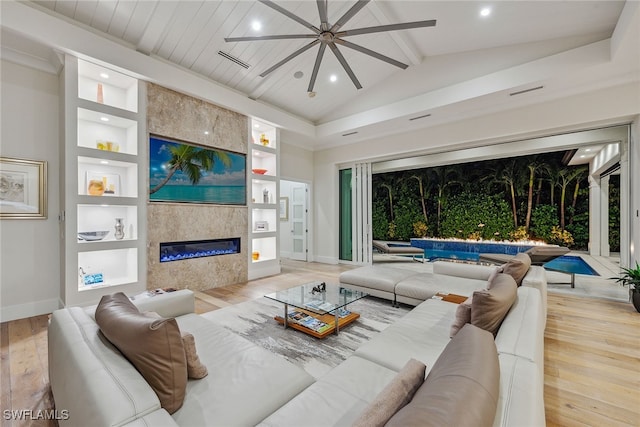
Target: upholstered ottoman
{"type": "Point", "coordinates": [379, 281]}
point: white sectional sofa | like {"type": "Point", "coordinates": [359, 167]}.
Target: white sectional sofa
{"type": "Point", "coordinates": [248, 385]}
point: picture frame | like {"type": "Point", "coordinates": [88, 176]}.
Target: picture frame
{"type": "Point", "coordinates": [284, 209]}
{"type": "Point", "coordinates": [110, 184]}
{"type": "Point", "coordinates": [23, 189]}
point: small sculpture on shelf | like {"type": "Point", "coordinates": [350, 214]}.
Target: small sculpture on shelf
{"type": "Point", "coordinates": [119, 234]}
{"type": "Point", "coordinates": [263, 140]}
{"type": "Point", "coordinates": [322, 287]}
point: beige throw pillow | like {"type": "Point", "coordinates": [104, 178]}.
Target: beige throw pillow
{"type": "Point", "coordinates": [195, 368]}
{"type": "Point", "coordinates": [154, 346]}
{"type": "Point", "coordinates": [394, 396]}
{"type": "Point", "coordinates": [517, 267]}
{"type": "Point", "coordinates": [463, 316]}
{"type": "Point", "coordinates": [490, 306]}
{"type": "Point", "coordinates": [493, 275]}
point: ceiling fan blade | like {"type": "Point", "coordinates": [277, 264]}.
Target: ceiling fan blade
{"type": "Point", "coordinates": [322, 11]}
{"type": "Point", "coordinates": [343, 20]}
{"type": "Point", "coordinates": [344, 64]}
{"type": "Point", "coordinates": [278, 37]}
{"type": "Point", "coordinates": [371, 53]}
{"type": "Point", "coordinates": [316, 67]}
{"type": "Point", "coordinates": [390, 27]}
{"type": "Point", "coordinates": [288, 14]}
{"type": "Point", "coordinates": [290, 57]}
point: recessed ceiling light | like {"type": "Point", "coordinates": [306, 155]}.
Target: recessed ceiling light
{"type": "Point", "coordinates": [104, 75]}
{"type": "Point", "coordinates": [485, 11]}
{"type": "Point", "coordinates": [333, 77]}
{"type": "Point", "coordinates": [206, 132]}
{"type": "Point", "coordinates": [583, 156]}
{"type": "Point", "coordinates": [256, 25]}
{"type": "Point", "coordinates": [104, 119]}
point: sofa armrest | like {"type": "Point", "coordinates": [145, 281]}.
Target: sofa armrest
{"type": "Point", "coordinates": [536, 278]}
{"type": "Point", "coordinates": [169, 304]}
{"type": "Point", "coordinates": [468, 271]}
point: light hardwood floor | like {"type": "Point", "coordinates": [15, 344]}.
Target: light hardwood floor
{"type": "Point", "coordinates": [592, 353]}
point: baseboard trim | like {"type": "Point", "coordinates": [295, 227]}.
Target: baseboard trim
{"type": "Point", "coordinates": [326, 260]}
{"type": "Point", "coordinates": [21, 311]}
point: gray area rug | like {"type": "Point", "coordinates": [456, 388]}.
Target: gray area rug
{"type": "Point", "coordinates": [254, 320]}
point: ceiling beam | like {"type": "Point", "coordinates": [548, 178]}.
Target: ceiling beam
{"type": "Point", "coordinates": [400, 39]}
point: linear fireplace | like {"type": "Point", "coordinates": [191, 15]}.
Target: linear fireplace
{"type": "Point", "coordinates": [177, 251]}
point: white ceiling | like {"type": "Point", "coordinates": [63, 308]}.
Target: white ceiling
{"type": "Point", "coordinates": [466, 65]}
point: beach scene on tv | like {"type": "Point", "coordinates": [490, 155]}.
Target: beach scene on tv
{"type": "Point", "coordinates": [180, 172]}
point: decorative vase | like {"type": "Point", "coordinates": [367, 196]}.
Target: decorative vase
{"type": "Point", "coordinates": [100, 94]}
{"type": "Point", "coordinates": [119, 234]}
{"type": "Point", "coordinates": [255, 255]}
{"type": "Point", "coordinates": [635, 299]}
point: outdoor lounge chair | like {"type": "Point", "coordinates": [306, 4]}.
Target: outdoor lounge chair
{"type": "Point", "coordinates": [399, 248]}
{"type": "Point", "coordinates": [539, 255]}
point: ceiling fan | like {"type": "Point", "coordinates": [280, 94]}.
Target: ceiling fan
{"type": "Point", "coordinates": [330, 35]}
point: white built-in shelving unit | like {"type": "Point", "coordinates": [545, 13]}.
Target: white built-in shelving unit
{"type": "Point", "coordinates": [264, 259]}
{"type": "Point", "coordinates": [103, 142]}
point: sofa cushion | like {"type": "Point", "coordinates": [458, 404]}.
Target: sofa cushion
{"type": "Point", "coordinates": [376, 277]}
{"type": "Point", "coordinates": [497, 270]}
{"type": "Point", "coordinates": [195, 369]}
{"type": "Point", "coordinates": [517, 267]}
{"type": "Point", "coordinates": [153, 346]}
{"type": "Point", "coordinates": [490, 306]}
{"type": "Point", "coordinates": [463, 316]}
{"type": "Point", "coordinates": [462, 388]}
{"type": "Point", "coordinates": [394, 396]}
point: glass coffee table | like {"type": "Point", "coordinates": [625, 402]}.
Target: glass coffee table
{"type": "Point", "coordinates": [314, 311]}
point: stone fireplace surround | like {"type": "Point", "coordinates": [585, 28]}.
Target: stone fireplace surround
{"type": "Point", "coordinates": [184, 118]}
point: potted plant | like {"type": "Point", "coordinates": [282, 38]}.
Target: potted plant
{"type": "Point", "coordinates": [631, 277]}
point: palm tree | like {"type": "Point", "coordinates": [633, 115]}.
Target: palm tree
{"type": "Point", "coordinates": [444, 177]}
{"type": "Point", "coordinates": [576, 189]}
{"type": "Point", "coordinates": [387, 181]}
{"type": "Point", "coordinates": [192, 161]}
{"type": "Point", "coordinates": [566, 175]}
{"type": "Point", "coordinates": [533, 167]}
{"type": "Point", "coordinates": [419, 178]}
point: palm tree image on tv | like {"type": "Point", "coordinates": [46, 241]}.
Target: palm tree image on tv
{"type": "Point", "coordinates": [187, 173]}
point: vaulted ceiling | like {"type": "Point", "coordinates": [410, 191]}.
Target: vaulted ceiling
{"type": "Point", "coordinates": [467, 64]}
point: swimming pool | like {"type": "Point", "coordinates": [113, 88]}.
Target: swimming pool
{"type": "Point", "coordinates": [470, 251]}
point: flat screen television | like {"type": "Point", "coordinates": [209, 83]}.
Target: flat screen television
{"type": "Point", "coordinates": [189, 173]}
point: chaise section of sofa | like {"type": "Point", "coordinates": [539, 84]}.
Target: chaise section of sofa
{"type": "Point", "coordinates": [98, 386]}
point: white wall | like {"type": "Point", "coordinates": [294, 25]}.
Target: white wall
{"type": "Point", "coordinates": [634, 203]}
{"type": "Point", "coordinates": [614, 105]}
{"type": "Point", "coordinates": [29, 249]}
{"type": "Point", "coordinates": [295, 163]}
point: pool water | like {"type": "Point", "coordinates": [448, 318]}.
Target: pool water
{"type": "Point", "coordinates": [565, 263]}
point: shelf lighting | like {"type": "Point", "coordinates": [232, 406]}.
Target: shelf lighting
{"type": "Point", "coordinates": [206, 132]}
{"type": "Point", "coordinates": [104, 75]}
{"type": "Point", "coordinates": [104, 119]}
{"type": "Point", "coordinates": [104, 162]}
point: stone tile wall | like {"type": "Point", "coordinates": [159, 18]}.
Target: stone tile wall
{"type": "Point", "coordinates": [177, 116]}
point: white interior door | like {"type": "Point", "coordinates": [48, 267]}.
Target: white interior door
{"type": "Point", "coordinates": [299, 222]}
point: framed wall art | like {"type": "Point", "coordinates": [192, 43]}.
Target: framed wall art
{"type": "Point", "coordinates": [23, 189]}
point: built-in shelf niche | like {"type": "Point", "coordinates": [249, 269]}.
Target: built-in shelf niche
{"type": "Point", "coordinates": [122, 176]}
{"type": "Point", "coordinates": [117, 90]}
{"type": "Point", "coordinates": [261, 132]}
{"type": "Point", "coordinates": [117, 266]}
{"type": "Point", "coordinates": [265, 247]}
{"type": "Point", "coordinates": [264, 160]}
{"type": "Point", "coordinates": [103, 218]}
{"type": "Point", "coordinates": [261, 216]}
{"type": "Point", "coordinates": [258, 187]}
{"type": "Point", "coordinates": [107, 132]}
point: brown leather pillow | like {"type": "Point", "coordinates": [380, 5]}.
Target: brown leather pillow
{"type": "Point", "coordinates": [394, 396]}
{"type": "Point", "coordinates": [152, 345]}
{"type": "Point", "coordinates": [195, 369]}
{"type": "Point", "coordinates": [463, 316]}
{"type": "Point", "coordinates": [490, 306]}
{"type": "Point", "coordinates": [517, 267]}
{"type": "Point", "coordinates": [462, 387]}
